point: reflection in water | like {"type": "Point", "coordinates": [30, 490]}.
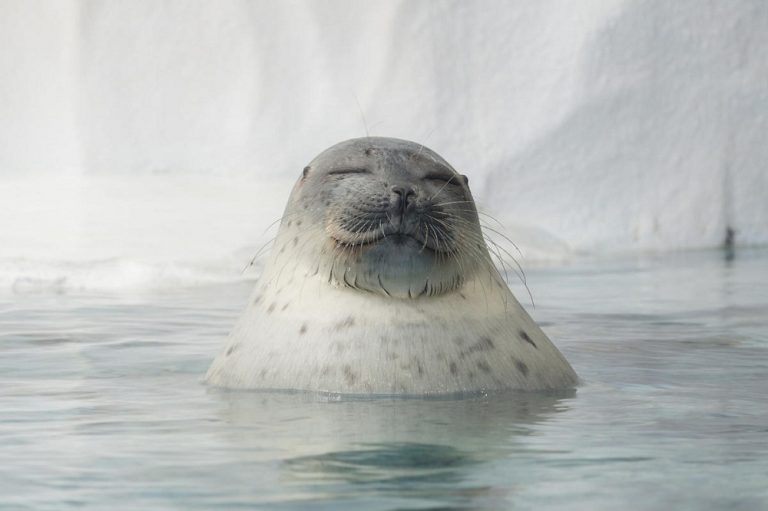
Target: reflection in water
{"type": "Point", "coordinates": [406, 469]}
{"type": "Point", "coordinates": [434, 475]}
{"type": "Point", "coordinates": [424, 450]}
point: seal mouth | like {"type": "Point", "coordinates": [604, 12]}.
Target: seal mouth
{"type": "Point", "coordinates": [398, 239]}
{"type": "Point", "coordinates": [420, 231]}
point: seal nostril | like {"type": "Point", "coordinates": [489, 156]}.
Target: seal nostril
{"type": "Point", "coordinates": [400, 202]}
{"type": "Point", "coordinates": [405, 193]}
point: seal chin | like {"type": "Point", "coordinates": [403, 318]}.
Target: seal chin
{"type": "Point", "coordinates": [398, 266]}
{"type": "Point", "coordinates": [398, 249]}
{"type": "Point", "coordinates": [406, 242]}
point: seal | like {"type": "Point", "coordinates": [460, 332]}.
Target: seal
{"type": "Point", "coordinates": [380, 282]}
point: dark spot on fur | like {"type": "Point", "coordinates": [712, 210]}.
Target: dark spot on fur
{"type": "Point", "coordinates": [484, 367]}
{"type": "Point", "coordinates": [271, 308]}
{"type": "Point", "coordinates": [347, 323]}
{"type": "Point", "coordinates": [325, 371]}
{"type": "Point", "coordinates": [462, 296]}
{"type": "Point", "coordinates": [349, 375]}
{"type": "Point", "coordinates": [484, 344]}
{"type": "Point", "coordinates": [454, 368]}
{"type": "Point", "coordinates": [282, 249]}
{"type": "Point", "coordinates": [419, 369]}
{"type": "Point", "coordinates": [289, 223]}
{"type": "Point", "coordinates": [285, 306]}
{"type": "Point", "coordinates": [262, 373]}
{"type": "Point", "coordinates": [521, 367]}
{"type": "Point", "coordinates": [305, 172]}
{"type": "Point", "coordinates": [524, 336]}
{"type": "Point", "coordinates": [471, 375]}
{"type": "Point", "coordinates": [257, 299]}
{"type": "Point", "coordinates": [231, 349]}
{"type": "Point", "coordinates": [369, 151]}
{"type": "Point", "coordinates": [303, 329]}
{"type": "Point", "coordinates": [298, 222]}
{"type": "Point", "coordinates": [295, 241]}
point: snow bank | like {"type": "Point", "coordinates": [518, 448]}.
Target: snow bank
{"type": "Point", "coordinates": [168, 133]}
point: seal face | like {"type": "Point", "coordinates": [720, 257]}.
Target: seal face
{"type": "Point", "coordinates": [398, 219]}
{"type": "Point", "coordinates": [380, 282]}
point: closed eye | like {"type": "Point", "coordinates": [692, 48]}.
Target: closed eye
{"type": "Point", "coordinates": [352, 170]}
{"type": "Point", "coordinates": [443, 178]}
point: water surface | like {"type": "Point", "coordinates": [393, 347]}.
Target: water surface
{"type": "Point", "coordinates": [102, 406]}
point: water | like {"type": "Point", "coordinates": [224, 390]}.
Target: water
{"type": "Point", "coordinates": [101, 406]}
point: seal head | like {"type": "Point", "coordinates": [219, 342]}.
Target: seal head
{"type": "Point", "coordinates": [397, 218]}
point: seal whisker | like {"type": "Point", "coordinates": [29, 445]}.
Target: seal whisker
{"type": "Point", "coordinates": [263, 246]}
{"type": "Point", "coordinates": [496, 231]}
{"type": "Point", "coordinates": [521, 274]}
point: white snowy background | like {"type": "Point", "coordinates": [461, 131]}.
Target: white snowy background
{"type": "Point", "coordinates": [150, 143]}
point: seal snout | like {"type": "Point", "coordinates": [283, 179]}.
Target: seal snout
{"type": "Point", "coordinates": [403, 194]}
{"type": "Point", "coordinates": [401, 200]}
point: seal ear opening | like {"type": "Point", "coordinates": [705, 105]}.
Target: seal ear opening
{"type": "Point", "coordinates": [304, 173]}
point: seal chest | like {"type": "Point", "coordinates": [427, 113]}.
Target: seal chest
{"type": "Point", "coordinates": [380, 282]}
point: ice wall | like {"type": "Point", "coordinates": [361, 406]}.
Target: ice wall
{"type": "Point", "coordinates": [662, 148]}
{"type": "Point", "coordinates": [38, 94]}
{"type": "Point", "coordinates": [162, 137]}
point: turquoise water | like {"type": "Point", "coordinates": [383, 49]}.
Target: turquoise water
{"type": "Point", "coordinates": [102, 407]}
